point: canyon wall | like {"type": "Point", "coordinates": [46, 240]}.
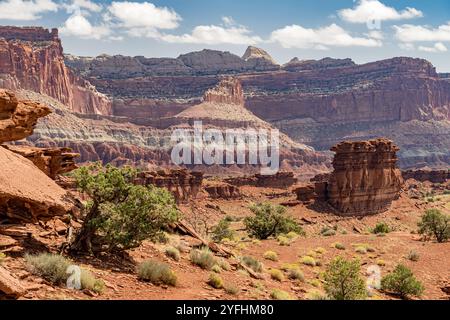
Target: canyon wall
{"type": "Point", "coordinates": [32, 58]}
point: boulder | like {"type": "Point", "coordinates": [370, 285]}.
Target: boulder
{"type": "Point", "coordinates": [10, 285]}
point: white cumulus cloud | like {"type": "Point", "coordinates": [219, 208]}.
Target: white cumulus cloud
{"type": "Point", "coordinates": [213, 34]}
{"type": "Point", "coordinates": [26, 10]}
{"type": "Point", "coordinates": [79, 26]}
{"type": "Point", "coordinates": [369, 10]}
{"type": "Point", "coordinates": [418, 33]}
{"type": "Point", "coordinates": [142, 18]}
{"type": "Point", "coordinates": [77, 5]}
{"type": "Point", "coordinates": [438, 47]}
{"type": "Point", "coordinates": [296, 36]}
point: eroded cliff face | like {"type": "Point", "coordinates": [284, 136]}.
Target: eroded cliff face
{"type": "Point", "coordinates": [32, 58]}
{"type": "Point", "coordinates": [26, 192]}
{"type": "Point", "coordinates": [318, 103]}
{"type": "Point", "coordinates": [365, 179]}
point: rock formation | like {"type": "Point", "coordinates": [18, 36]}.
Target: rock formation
{"type": "Point", "coordinates": [280, 180]}
{"type": "Point", "coordinates": [51, 161]}
{"type": "Point", "coordinates": [184, 185]}
{"type": "Point", "coordinates": [222, 190]}
{"type": "Point", "coordinates": [434, 176]}
{"type": "Point", "coordinates": [32, 58]}
{"type": "Point", "coordinates": [26, 192]}
{"type": "Point", "coordinates": [229, 91]}
{"type": "Point", "coordinates": [365, 179]}
{"type": "Point", "coordinates": [18, 118]}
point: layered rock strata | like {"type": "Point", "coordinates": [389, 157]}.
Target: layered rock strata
{"type": "Point", "coordinates": [32, 58]}
{"type": "Point", "coordinates": [365, 179]}
{"type": "Point", "coordinates": [184, 185]}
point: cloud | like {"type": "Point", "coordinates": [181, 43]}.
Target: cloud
{"type": "Point", "coordinates": [370, 10]}
{"type": "Point", "coordinates": [418, 33]}
{"type": "Point", "coordinates": [213, 35]}
{"type": "Point", "coordinates": [296, 36]}
{"type": "Point", "coordinates": [26, 10]}
{"type": "Point", "coordinates": [79, 26]}
{"type": "Point", "coordinates": [78, 5]}
{"type": "Point", "coordinates": [142, 18]}
{"type": "Point", "coordinates": [438, 47]}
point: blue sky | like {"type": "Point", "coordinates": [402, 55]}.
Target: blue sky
{"type": "Point", "coordinates": [364, 30]}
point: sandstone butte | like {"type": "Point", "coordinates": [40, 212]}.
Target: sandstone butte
{"type": "Point", "coordinates": [365, 179]}
{"type": "Point", "coordinates": [26, 192]}
{"type": "Point", "coordinates": [32, 58]}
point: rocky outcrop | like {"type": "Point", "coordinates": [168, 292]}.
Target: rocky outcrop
{"type": "Point", "coordinates": [365, 179]}
{"type": "Point", "coordinates": [222, 190]}
{"type": "Point", "coordinates": [296, 65]}
{"type": "Point", "coordinates": [184, 185]}
{"type": "Point", "coordinates": [9, 285]}
{"type": "Point", "coordinates": [32, 58]}
{"type": "Point", "coordinates": [259, 59]}
{"type": "Point", "coordinates": [434, 176]}
{"type": "Point", "coordinates": [280, 180]}
{"type": "Point", "coordinates": [26, 192]}
{"type": "Point", "coordinates": [228, 91]}
{"type": "Point", "coordinates": [18, 118]}
{"type": "Point", "coordinates": [51, 161]}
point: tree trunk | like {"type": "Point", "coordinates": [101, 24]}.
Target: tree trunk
{"type": "Point", "coordinates": [83, 240]}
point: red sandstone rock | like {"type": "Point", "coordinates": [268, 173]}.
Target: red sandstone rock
{"type": "Point", "coordinates": [222, 190]}
{"type": "Point", "coordinates": [10, 285]}
{"type": "Point", "coordinates": [52, 161]}
{"type": "Point", "coordinates": [229, 91]}
{"type": "Point", "coordinates": [365, 179]}
{"type": "Point", "coordinates": [184, 185]}
{"type": "Point", "coordinates": [32, 58]}
{"type": "Point", "coordinates": [18, 118]}
{"type": "Point", "coordinates": [435, 176]}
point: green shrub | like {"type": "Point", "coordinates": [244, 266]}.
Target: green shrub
{"type": "Point", "coordinates": [320, 250]}
{"type": "Point", "coordinates": [278, 294]}
{"type": "Point", "coordinates": [224, 264]}
{"type": "Point", "coordinates": [381, 263]}
{"type": "Point", "coordinates": [381, 227]}
{"type": "Point", "coordinates": [339, 246]}
{"type": "Point", "coordinates": [413, 256]}
{"type": "Point", "coordinates": [402, 282]}
{"type": "Point", "coordinates": [231, 289]}
{"type": "Point", "coordinates": [291, 235]}
{"type": "Point", "coordinates": [216, 268]}
{"type": "Point", "coordinates": [222, 231]}
{"type": "Point", "coordinates": [308, 260]}
{"type": "Point", "coordinates": [270, 220]}
{"type": "Point", "coordinates": [327, 232]}
{"type": "Point", "coordinates": [343, 280]}
{"type": "Point", "coordinates": [316, 295]}
{"type": "Point", "coordinates": [361, 249]}
{"type": "Point", "coordinates": [173, 253]}
{"type": "Point", "coordinates": [215, 281]}
{"type": "Point", "coordinates": [276, 274]}
{"type": "Point", "coordinates": [283, 240]}
{"type": "Point", "coordinates": [270, 255]}
{"type": "Point", "coordinates": [295, 274]}
{"type": "Point", "coordinates": [315, 283]}
{"type": "Point", "coordinates": [2, 257]}
{"type": "Point", "coordinates": [88, 281]}
{"type": "Point", "coordinates": [435, 224]}
{"type": "Point", "coordinates": [204, 258]}
{"type": "Point", "coordinates": [121, 213]}
{"type": "Point", "coordinates": [252, 263]}
{"type": "Point", "coordinates": [156, 273]}
{"type": "Point", "coordinates": [52, 267]}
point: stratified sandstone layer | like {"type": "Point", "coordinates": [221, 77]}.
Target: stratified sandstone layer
{"type": "Point", "coordinates": [315, 102]}
{"type": "Point", "coordinates": [365, 179]}
{"type": "Point", "coordinates": [52, 161]}
{"type": "Point", "coordinates": [26, 192]}
{"type": "Point", "coordinates": [32, 58]}
{"type": "Point", "coordinates": [184, 185]}
{"type": "Point", "coordinates": [434, 176]}
{"type": "Point", "coordinates": [18, 118]}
